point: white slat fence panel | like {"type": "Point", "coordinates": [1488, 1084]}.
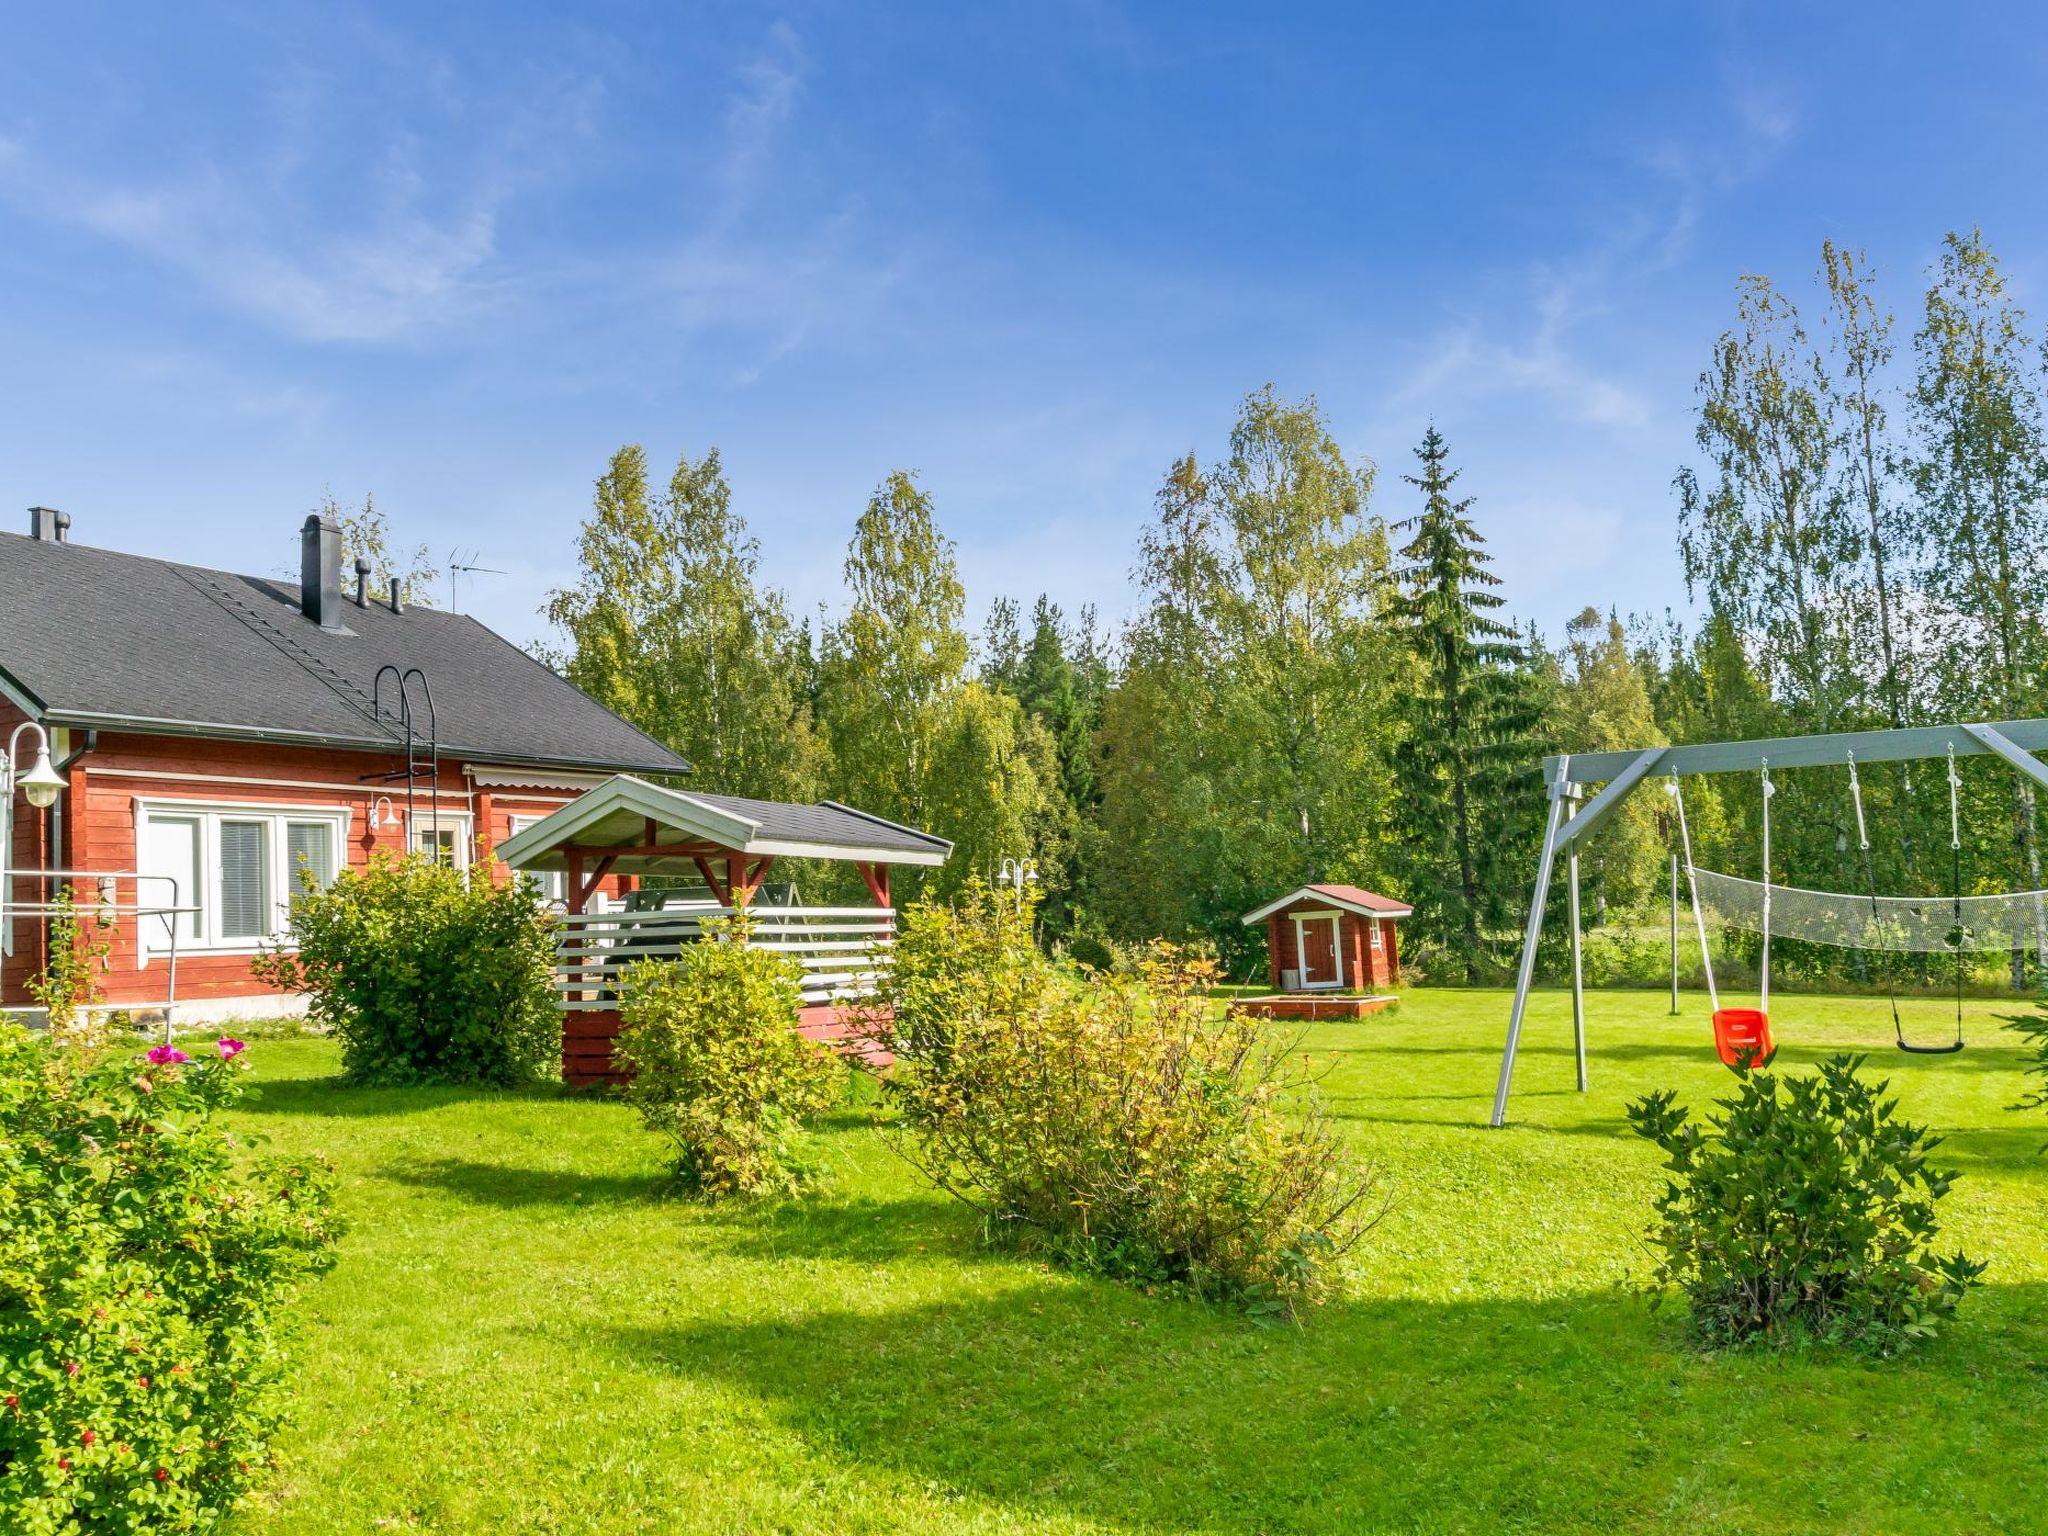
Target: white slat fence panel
{"type": "Point", "coordinates": [842, 950]}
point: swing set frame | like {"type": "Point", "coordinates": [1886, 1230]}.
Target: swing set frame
{"type": "Point", "coordinates": [1575, 809]}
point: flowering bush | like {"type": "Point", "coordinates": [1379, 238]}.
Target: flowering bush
{"type": "Point", "coordinates": [1109, 1121]}
{"type": "Point", "coordinates": [145, 1263]}
{"type": "Point", "coordinates": [426, 974]}
{"type": "Point", "coordinates": [1804, 1209]}
{"type": "Point", "coordinates": [718, 1066]}
{"type": "Point", "coordinates": [80, 941]}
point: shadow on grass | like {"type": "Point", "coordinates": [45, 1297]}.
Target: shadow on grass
{"type": "Point", "coordinates": [1086, 1400]}
{"type": "Point", "coordinates": [513, 1189]}
{"type": "Point", "coordinates": [2018, 1150]}
{"type": "Point", "coordinates": [1616, 1128]}
{"type": "Point", "coordinates": [853, 1231]}
{"type": "Point", "coordinates": [335, 1096]}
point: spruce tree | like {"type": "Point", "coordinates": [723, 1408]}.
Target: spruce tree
{"type": "Point", "coordinates": [1463, 765]}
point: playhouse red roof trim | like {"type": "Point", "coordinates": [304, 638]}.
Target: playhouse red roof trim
{"type": "Point", "coordinates": [1347, 898]}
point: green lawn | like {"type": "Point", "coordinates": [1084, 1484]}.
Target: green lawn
{"type": "Point", "coordinates": [520, 1336]}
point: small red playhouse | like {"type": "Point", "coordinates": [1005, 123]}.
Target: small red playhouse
{"type": "Point", "coordinates": [1331, 952]}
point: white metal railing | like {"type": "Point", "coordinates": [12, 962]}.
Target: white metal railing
{"type": "Point", "coordinates": [843, 950]}
{"type": "Point", "coordinates": [101, 901]}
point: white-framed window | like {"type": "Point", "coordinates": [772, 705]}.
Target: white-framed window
{"type": "Point", "coordinates": [553, 883]}
{"type": "Point", "coordinates": [241, 866]}
{"type": "Point", "coordinates": [447, 837]}
{"type": "Point", "coordinates": [1372, 927]}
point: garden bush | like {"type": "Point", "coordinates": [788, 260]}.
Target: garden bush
{"type": "Point", "coordinates": [1110, 1122]}
{"type": "Point", "coordinates": [426, 974]}
{"type": "Point", "coordinates": [147, 1265]}
{"type": "Point", "coordinates": [718, 1067]}
{"type": "Point", "coordinates": [1804, 1209]}
{"type": "Point", "coordinates": [68, 986]}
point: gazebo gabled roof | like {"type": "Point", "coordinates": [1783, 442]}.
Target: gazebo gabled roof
{"type": "Point", "coordinates": [626, 814]}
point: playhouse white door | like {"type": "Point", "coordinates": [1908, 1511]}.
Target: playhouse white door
{"type": "Point", "coordinates": [1321, 964]}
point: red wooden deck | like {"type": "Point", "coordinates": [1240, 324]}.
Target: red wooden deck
{"type": "Point", "coordinates": [1312, 1005]}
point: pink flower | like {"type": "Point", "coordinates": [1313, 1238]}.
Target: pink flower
{"type": "Point", "coordinates": [229, 1047]}
{"type": "Point", "coordinates": [166, 1056]}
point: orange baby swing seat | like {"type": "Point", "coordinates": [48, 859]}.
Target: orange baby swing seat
{"type": "Point", "coordinates": [1742, 1035]}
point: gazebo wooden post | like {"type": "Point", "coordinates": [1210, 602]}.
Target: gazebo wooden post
{"type": "Point", "coordinates": [877, 878]}
{"type": "Point", "coordinates": [710, 874]}
{"type": "Point", "coordinates": [743, 879]}
{"type": "Point", "coordinates": [573, 900]}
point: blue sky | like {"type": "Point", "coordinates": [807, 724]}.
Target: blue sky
{"type": "Point", "coordinates": [248, 253]}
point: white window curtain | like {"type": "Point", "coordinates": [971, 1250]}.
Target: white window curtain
{"type": "Point", "coordinates": [245, 880]}
{"type": "Point", "coordinates": [309, 850]}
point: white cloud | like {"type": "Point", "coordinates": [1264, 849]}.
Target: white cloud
{"type": "Point", "coordinates": [771, 81]}
{"type": "Point", "coordinates": [761, 267]}
{"type": "Point", "coordinates": [1539, 351]}
{"type": "Point", "coordinates": [371, 245]}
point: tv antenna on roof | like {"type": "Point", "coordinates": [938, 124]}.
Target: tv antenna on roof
{"type": "Point", "coordinates": [459, 563]}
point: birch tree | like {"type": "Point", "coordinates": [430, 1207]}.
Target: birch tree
{"type": "Point", "coordinates": [1162, 839]}
{"type": "Point", "coordinates": [1979, 471]}
{"type": "Point", "coordinates": [1766, 536]}
{"type": "Point", "coordinates": [913, 737]}
{"type": "Point", "coordinates": [366, 533]}
{"type": "Point", "coordinates": [1305, 571]}
{"type": "Point", "coordinates": [671, 626]}
{"type": "Point", "coordinates": [1860, 340]}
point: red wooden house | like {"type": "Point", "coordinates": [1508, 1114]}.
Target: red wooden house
{"type": "Point", "coordinates": [217, 734]}
{"type": "Point", "coordinates": [1331, 950]}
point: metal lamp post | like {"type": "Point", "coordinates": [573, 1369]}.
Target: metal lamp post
{"type": "Point", "coordinates": [1018, 873]}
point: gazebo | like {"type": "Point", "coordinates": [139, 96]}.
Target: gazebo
{"type": "Point", "coordinates": [628, 826]}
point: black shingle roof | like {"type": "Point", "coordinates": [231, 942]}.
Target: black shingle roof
{"type": "Point", "coordinates": [826, 822]}
{"type": "Point", "coordinates": [644, 827]}
{"type": "Point", "coordinates": [94, 637]}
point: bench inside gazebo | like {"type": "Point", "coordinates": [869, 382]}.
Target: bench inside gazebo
{"type": "Point", "coordinates": [628, 826]}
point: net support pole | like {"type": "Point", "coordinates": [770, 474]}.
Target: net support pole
{"type": "Point", "coordinates": [1571, 809]}
{"type": "Point", "coordinates": [1674, 935]}
{"type": "Point", "coordinates": [2036, 772]}
{"type": "Point", "coordinates": [1526, 974]}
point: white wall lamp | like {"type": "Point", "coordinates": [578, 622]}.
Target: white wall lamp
{"type": "Point", "coordinates": [42, 784]}
{"type": "Point", "coordinates": [387, 817]}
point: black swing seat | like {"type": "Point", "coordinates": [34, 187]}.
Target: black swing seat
{"type": "Point", "coordinates": [1929, 1050]}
